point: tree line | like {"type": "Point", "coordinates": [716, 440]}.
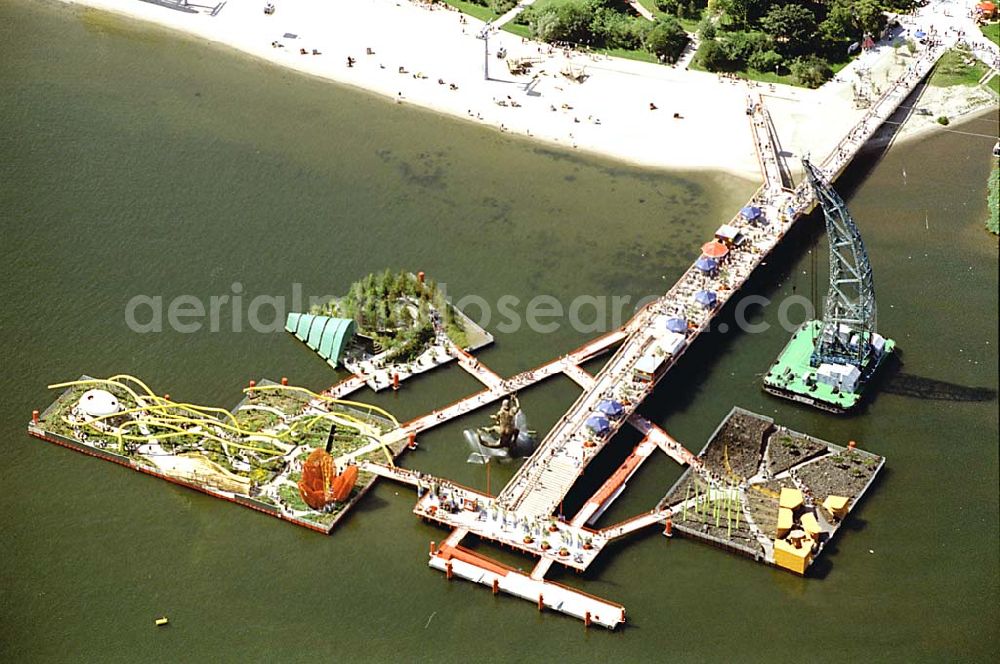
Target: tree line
{"type": "Point", "coordinates": [609, 24]}
{"type": "Point", "coordinates": [798, 37]}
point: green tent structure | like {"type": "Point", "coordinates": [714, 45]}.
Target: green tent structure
{"type": "Point", "coordinates": [328, 336]}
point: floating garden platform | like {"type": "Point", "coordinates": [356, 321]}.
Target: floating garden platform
{"type": "Point", "coordinates": [776, 495]}
{"type": "Point", "coordinates": [793, 377]}
{"type": "Point", "coordinates": [388, 328]}
{"type": "Point", "coordinates": [252, 455]}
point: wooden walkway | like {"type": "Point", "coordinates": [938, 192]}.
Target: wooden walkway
{"type": "Point", "coordinates": [498, 388]}
{"type": "Point", "coordinates": [613, 486]}
{"type": "Point", "coordinates": [636, 523]}
{"type": "Point", "coordinates": [469, 565]}
{"type": "Point", "coordinates": [347, 386]}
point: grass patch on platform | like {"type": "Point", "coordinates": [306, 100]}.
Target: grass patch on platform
{"type": "Point", "coordinates": [290, 495]}
{"type": "Point", "coordinates": [957, 67]}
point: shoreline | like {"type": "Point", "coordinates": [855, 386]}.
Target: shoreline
{"type": "Point", "coordinates": [699, 123]}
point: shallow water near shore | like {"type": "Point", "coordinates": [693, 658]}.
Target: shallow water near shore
{"type": "Point", "coordinates": [138, 162]}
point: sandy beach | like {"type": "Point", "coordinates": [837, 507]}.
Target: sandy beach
{"type": "Point", "coordinates": [432, 58]}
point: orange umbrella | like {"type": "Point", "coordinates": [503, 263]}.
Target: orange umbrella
{"type": "Point", "coordinates": [714, 249]}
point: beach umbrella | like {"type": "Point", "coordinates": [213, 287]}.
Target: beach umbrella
{"type": "Point", "coordinates": [706, 265]}
{"type": "Point", "coordinates": [678, 325]}
{"type": "Point", "coordinates": [919, 34]}
{"type": "Point", "coordinates": [706, 298]}
{"type": "Point", "coordinates": [714, 249]}
{"type": "Point", "coordinates": [598, 424]}
{"type": "Point", "coordinates": [611, 408]}
{"type": "Point", "coordinates": [751, 212]}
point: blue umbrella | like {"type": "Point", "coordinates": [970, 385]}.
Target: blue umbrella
{"type": "Point", "coordinates": [706, 264]}
{"type": "Point", "coordinates": [750, 212]}
{"type": "Point", "coordinates": [706, 298]}
{"type": "Point", "coordinates": [611, 408]}
{"type": "Point", "coordinates": [598, 424]}
{"type": "Point", "coordinates": [677, 325]}
{"type": "Point", "coordinates": [919, 34]}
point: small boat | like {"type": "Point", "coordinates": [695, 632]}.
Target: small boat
{"type": "Point", "coordinates": [160, 622]}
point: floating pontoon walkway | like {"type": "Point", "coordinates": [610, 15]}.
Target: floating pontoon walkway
{"type": "Point", "coordinates": [647, 352]}
{"type": "Point", "coordinates": [458, 561]}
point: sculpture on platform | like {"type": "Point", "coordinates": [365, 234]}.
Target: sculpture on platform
{"type": "Point", "coordinates": [504, 431]}
{"type": "Point", "coordinates": [506, 438]}
{"type": "Point", "coordinates": [321, 484]}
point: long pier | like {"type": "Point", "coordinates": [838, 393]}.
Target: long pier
{"type": "Point", "coordinates": [542, 482]}
{"type": "Point", "coordinates": [521, 515]}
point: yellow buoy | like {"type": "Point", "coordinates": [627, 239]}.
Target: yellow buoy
{"type": "Point", "coordinates": [160, 622]}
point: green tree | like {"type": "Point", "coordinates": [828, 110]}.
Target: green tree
{"type": "Point", "coordinates": [869, 17]}
{"type": "Point", "coordinates": [745, 13]}
{"type": "Point", "coordinates": [765, 61]}
{"type": "Point", "coordinates": [741, 46]}
{"type": "Point", "coordinates": [792, 27]}
{"type": "Point", "coordinates": [502, 6]}
{"type": "Point", "coordinates": [707, 29]}
{"type": "Point", "coordinates": [568, 21]}
{"type": "Point", "coordinates": [667, 39]}
{"type": "Point", "coordinates": [616, 30]}
{"type": "Point", "coordinates": [811, 71]}
{"type": "Point", "coordinates": [667, 6]}
{"type": "Point", "coordinates": [714, 57]}
{"type": "Point", "coordinates": [838, 26]}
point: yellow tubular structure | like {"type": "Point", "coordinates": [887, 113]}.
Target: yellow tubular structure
{"type": "Point", "coordinates": [314, 395]}
{"type": "Point", "coordinates": [149, 395]}
{"type": "Point", "coordinates": [207, 417]}
{"type": "Point", "coordinates": [340, 402]}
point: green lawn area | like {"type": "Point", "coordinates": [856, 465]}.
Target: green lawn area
{"type": "Point", "coordinates": [992, 32]}
{"type": "Point", "coordinates": [641, 56]}
{"type": "Point", "coordinates": [538, 4]}
{"type": "Point", "coordinates": [954, 69]}
{"type": "Point", "coordinates": [690, 25]}
{"type": "Point", "coordinates": [292, 497]}
{"type": "Point", "coordinates": [524, 31]}
{"type": "Point", "coordinates": [474, 10]}
{"type": "Point", "coordinates": [517, 29]}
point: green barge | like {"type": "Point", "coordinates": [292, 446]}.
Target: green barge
{"type": "Point", "coordinates": [834, 388]}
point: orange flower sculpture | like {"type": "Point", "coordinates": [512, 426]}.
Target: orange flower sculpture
{"type": "Point", "coordinates": [321, 485]}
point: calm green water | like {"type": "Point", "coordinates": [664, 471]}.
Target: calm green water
{"type": "Point", "coordinates": [135, 162]}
